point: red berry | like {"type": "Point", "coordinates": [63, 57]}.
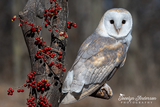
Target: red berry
{"type": "Point", "coordinates": [60, 8]}
{"type": "Point", "coordinates": [52, 63]}
{"type": "Point", "coordinates": [48, 52]}
{"type": "Point", "coordinates": [60, 53]}
{"type": "Point", "coordinates": [34, 104]}
{"type": "Point", "coordinates": [45, 10]}
{"type": "Point", "coordinates": [49, 14]}
{"type": "Point", "coordinates": [40, 42]}
{"type": "Point", "coordinates": [27, 103]}
{"type": "Point", "coordinates": [71, 22]}
{"type": "Point", "coordinates": [30, 104]}
{"type": "Point", "coordinates": [55, 13]}
{"type": "Point", "coordinates": [51, 1]}
{"type": "Point", "coordinates": [38, 52]}
{"type": "Point", "coordinates": [18, 90]}
{"type": "Point", "coordinates": [45, 49]}
{"type": "Point", "coordinates": [10, 93]}
{"type": "Point", "coordinates": [31, 24]}
{"type": "Point", "coordinates": [42, 89]}
{"type": "Point", "coordinates": [20, 24]}
{"type": "Point", "coordinates": [68, 23]}
{"type": "Point", "coordinates": [49, 29]}
{"type": "Point", "coordinates": [43, 104]}
{"type": "Point", "coordinates": [45, 59]}
{"type": "Point", "coordinates": [30, 77]}
{"type": "Point", "coordinates": [13, 18]}
{"type": "Point", "coordinates": [46, 24]}
{"type": "Point", "coordinates": [75, 25]}
{"type": "Point", "coordinates": [36, 55]}
{"type": "Point", "coordinates": [22, 90]}
{"type": "Point", "coordinates": [33, 29]}
{"type": "Point", "coordinates": [49, 48]}
{"type": "Point", "coordinates": [27, 81]}
{"type": "Point", "coordinates": [68, 26]}
{"type": "Point", "coordinates": [60, 57]}
{"type": "Point", "coordinates": [25, 21]}
{"type": "Point", "coordinates": [12, 90]}
{"type": "Point", "coordinates": [63, 69]}
{"type": "Point", "coordinates": [31, 73]}
{"type": "Point", "coordinates": [50, 105]}
{"type": "Point", "coordinates": [24, 85]}
{"type": "Point", "coordinates": [49, 84]}
{"type": "Point", "coordinates": [30, 84]}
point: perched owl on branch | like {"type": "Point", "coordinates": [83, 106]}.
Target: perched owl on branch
{"type": "Point", "coordinates": [99, 57]}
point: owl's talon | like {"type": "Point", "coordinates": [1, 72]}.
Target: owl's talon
{"type": "Point", "coordinates": [107, 91]}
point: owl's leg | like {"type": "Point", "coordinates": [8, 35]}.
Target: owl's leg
{"type": "Point", "coordinates": [105, 92]}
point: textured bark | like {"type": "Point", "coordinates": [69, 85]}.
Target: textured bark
{"type": "Point", "coordinates": [33, 9]}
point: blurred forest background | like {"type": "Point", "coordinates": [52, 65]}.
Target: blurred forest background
{"type": "Point", "coordinates": [139, 76]}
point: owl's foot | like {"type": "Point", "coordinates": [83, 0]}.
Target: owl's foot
{"type": "Point", "coordinates": [105, 92]}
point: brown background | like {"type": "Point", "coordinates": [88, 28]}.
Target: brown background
{"type": "Point", "coordinates": [139, 76]}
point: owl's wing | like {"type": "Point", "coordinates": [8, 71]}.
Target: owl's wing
{"type": "Point", "coordinates": [96, 60]}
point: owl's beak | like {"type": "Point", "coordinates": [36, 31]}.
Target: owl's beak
{"type": "Point", "coordinates": [117, 27]}
{"type": "Point", "coordinates": [118, 30]}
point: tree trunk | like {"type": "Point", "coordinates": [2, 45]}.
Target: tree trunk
{"type": "Point", "coordinates": [43, 70]}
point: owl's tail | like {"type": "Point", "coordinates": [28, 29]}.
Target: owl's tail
{"type": "Point", "coordinates": [67, 82]}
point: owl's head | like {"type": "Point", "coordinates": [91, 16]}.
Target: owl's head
{"type": "Point", "coordinates": [116, 23]}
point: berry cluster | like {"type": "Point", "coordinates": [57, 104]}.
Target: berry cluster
{"type": "Point", "coordinates": [30, 102]}
{"type": "Point", "coordinates": [45, 53]}
{"type": "Point", "coordinates": [43, 85]}
{"type": "Point", "coordinates": [63, 34]}
{"type": "Point", "coordinates": [10, 91]}
{"type": "Point", "coordinates": [49, 13]}
{"type": "Point", "coordinates": [43, 102]}
{"type": "Point", "coordinates": [40, 86]}
{"type": "Point", "coordinates": [39, 42]}
{"type": "Point", "coordinates": [31, 80]}
{"type": "Point", "coordinates": [20, 90]}
{"type": "Point", "coordinates": [69, 24]}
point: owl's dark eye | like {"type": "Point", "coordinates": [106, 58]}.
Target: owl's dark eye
{"type": "Point", "coordinates": [112, 21]}
{"type": "Point", "coordinates": [123, 21]}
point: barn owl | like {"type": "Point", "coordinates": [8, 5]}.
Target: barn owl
{"type": "Point", "coordinates": [100, 55]}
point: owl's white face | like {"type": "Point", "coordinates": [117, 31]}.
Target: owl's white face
{"type": "Point", "coordinates": [117, 23]}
